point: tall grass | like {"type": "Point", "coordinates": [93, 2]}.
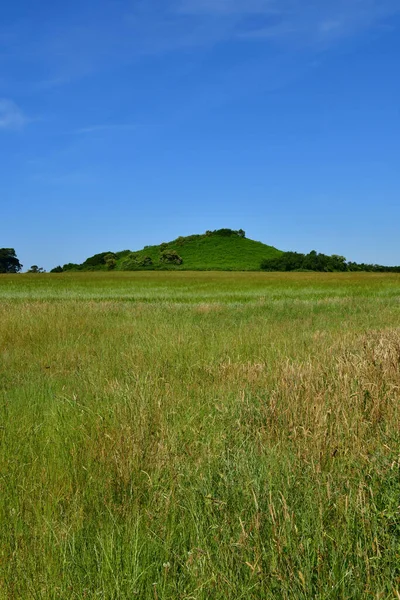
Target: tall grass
{"type": "Point", "coordinates": [180, 436]}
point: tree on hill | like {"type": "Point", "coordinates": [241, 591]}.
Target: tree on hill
{"type": "Point", "coordinates": [134, 261]}
{"type": "Point", "coordinates": [98, 261]}
{"type": "Point", "coordinates": [9, 262]}
{"type": "Point", "coordinates": [226, 232]}
{"type": "Point", "coordinates": [36, 269]}
{"type": "Point", "coordinates": [58, 269]}
{"type": "Point", "coordinates": [145, 261]}
{"type": "Point", "coordinates": [110, 261]}
{"type": "Point", "coordinates": [171, 257]}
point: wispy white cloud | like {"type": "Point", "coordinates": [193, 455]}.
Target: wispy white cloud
{"type": "Point", "coordinates": [123, 32]}
{"type": "Point", "coordinates": [11, 116]}
{"type": "Point", "coordinates": [313, 21]}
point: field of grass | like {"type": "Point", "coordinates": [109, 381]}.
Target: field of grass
{"type": "Point", "coordinates": [195, 436]}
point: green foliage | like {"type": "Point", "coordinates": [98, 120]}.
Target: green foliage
{"type": "Point", "coordinates": [110, 260]}
{"type": "Point", "coordinates": [227, 232]}
{"type": "Point", "coordinates": [295, 261]}
{"type": "Point", "coordinates": [72, 267]}
{"type": "Point", "coordinates": [103, 260]}
{"type": "Point", "coordinates": [145, 261]}
{"type": "Point", "coordinates": [58, 269]}
{"type": "Point", "coordinates": [122, 254]}
{"type": "Point", "coordinates": [289, 261]}
{"type": "Point", "coordinates": [212, 436]}
{"type": "Point", "coordinates": [36, 269]}
{"type": "Point", "coordinates": [219, 250]}
{"type": "Point", "coordinates": [9, 262]}
{"type": "Point", "coordinates": [352, 266]}
{"type": "Point", "coordinates": [209, 252]}
{"type": "Point", "coordinates": [135, 261]}
{"type": "Point", "coordinates": [170, 257]}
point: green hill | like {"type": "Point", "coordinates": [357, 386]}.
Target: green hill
{"type": "Point", "coordinates": [222, 250]}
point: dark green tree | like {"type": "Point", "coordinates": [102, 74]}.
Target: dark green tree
{"type": "Point", "coordinates": [146, 261]}
{"type": "Point", "coordinates": [36, 269]}
{"type": "Point", "coordinates": [72, 267]}
{"type": "Point", "coordinates": [295, 261]}
{"type": "Point", "coordinates": [134, 262]}
{"type": "Point", "coordinates": [170, 257]}
{"type": "Point", "coordinates": [9, 262]}
{"type": "Point", "coordinates": [98, 261]}
{"type": "Point", "coordinates": [110, 261]}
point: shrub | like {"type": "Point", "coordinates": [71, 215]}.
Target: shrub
{"type": "Point", "coordinates": [98, 260]}
{"type": "Point", "coordinates": [170, 257]}
{"type": "Point", "coordinates": [228, 232]}
{"type": "Point", "coordinates": [135, 261]}
{"type": "Point", "coordinates": [110, 261]}
{"type": "Point", "coordinates": [225, 233]}
{"type": "Point", "coordinates": [145, 261]}
{"type": "Point", "coordinates": [72, 267]}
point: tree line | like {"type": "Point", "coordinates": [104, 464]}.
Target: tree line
{"type": "Point", "coordinates": [287, 261]}
{"type": "Point", "coordinates": [315, 261]}
{"type": "Point", "coordinates": [9, 262]}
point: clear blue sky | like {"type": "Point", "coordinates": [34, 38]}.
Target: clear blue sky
{"type": "Point", "coordinates": [126, 123]}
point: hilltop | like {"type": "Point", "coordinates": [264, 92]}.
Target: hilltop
{"type": "Point", "coordinates": [223, 250]}
{"type": "Point", "coordinates": [219, 250]}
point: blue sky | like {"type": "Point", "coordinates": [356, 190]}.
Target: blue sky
{"type": "Point", "coordinates": [126, 123]}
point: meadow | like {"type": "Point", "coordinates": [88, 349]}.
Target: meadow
{"type": "Point", "coordinates": [195, 436]}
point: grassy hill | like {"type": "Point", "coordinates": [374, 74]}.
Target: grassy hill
{"type": "Point", "coordinates": [222, 250]}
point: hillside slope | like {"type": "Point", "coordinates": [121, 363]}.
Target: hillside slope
{"type": "Point", "coordinates": [221, 250]}
{"type": "Point", "coordinates": [206, 252]}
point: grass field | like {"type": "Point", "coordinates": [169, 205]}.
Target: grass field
{"type": "Point", "coordinates": [199, 436]}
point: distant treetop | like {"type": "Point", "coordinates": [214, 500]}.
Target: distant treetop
{"type": "Point", "coordinates": [36, 269]}
{"type": "Point", "coordinates": [227, 232]}
{"type": "Point", "coordinates": [314, 261]}
{"type": "Point", "coordinates": [9, 262]}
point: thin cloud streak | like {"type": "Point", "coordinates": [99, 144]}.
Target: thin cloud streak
{"type": "Point", "coordinates": [123, 34]}
{"type": "Point", "coordinates": [308, 20]}
{"type": "Point", "coordinates": [11, 116]}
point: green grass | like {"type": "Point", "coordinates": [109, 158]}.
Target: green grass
{"type": "Point", "coordinates": [199, 435]}
{"type": "Point", "coordinates": [208, 253]}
